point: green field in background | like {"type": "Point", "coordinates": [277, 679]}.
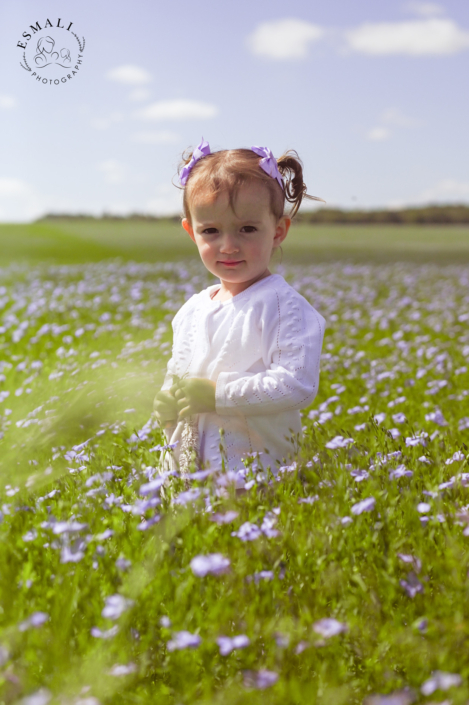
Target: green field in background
{"type": "Point", "coordinates": [68, 241]}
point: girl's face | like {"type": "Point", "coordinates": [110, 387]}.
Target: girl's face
{"type": "Point", "coordinates": [236, 247]}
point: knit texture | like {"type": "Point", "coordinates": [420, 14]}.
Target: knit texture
{"type": "Point", "coordinates": [262, 348]}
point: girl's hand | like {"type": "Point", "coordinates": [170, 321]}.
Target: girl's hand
{"type": "Point", "coordinates": [194, 396]}
{"type": "Point", "coordinates": [165, 408]}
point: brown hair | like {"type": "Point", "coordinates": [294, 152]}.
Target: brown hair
{"type": "Point", "coordinates": [229, 169]}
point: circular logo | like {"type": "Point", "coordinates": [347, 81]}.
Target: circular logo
{"type": "Point", "coordinates": [52, 52]}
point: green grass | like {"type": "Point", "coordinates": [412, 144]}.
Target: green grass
{"type": "Point", "coordinates": [89, 240]}
{"type": "Point", "coordinates": [397, 343]}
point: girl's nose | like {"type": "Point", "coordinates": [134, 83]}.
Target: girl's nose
{"type": "Point", "coordinates": [229, 245]}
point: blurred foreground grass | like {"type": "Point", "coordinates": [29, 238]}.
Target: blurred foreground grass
{"type": "Point", "coordinates": [342, 578]}
{"type": "Point", "coordinates": [68, 241]}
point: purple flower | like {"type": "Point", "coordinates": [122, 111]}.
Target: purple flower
{"type": "Point", "coordinates": [261, 575]}
{"type": "Point", "coordinates": [230, 477]}
{"type": "Point", "coordinates": [423, 507]}
{"type": "Point", "coordinates": [359, 475]}
{"type": "Point", "coordinates": [399, 417]}
{"type": "Point", "coordinates": [224, 518]}
{"type": "Point", "coordinates": [37, 619]}
{"type": "Point", "coordinates": [107, 634]}
{"type": "Point", "coordinates": [457, 457]}
{"type": "Point", "coordinates": [68, 556]}
{"type": "Point", "coordinates": [68, 527]}
{"type": "Point", "coordinates": [40, 697]}
{"type": "Point", "coordinates": [147, 523]}
{"type": "Point", "coordinates": [308, 500]}
{"type": "Point", "coordinates": [412, 586]}
{"type": "Point", "coordinates": [437, 418]}
{"type": "Point", "coordinates": [366, 505]}
{"type": "Point", "coordinates": [105, 535]}
{"type": "Point", "coordinates": [400, 471]}
{"type": "Point", "coordinates": [328, 627]}
{"type": "Point", "coordinates": [440, 681]}
{"type": "Point", "coordinates": [268, 524]}
{"type": "Point", "coordinates": [188, 496]}
{"type": "Point", "coordinates": [123, 563]}
{"type": "Point", "coordinates": [168, 446]}
{"type": "Point", "coordinates": [260, 679]}
{"type": "Point", "coordinates": [228, 644]}
{"type": "Point", "coordinates": [115, 606]}
{"type": "Point", "coordinates": [282, 640]}
{"type": "Point", "coordinates": [339, 442]}
{"type": "Point", "coordinates": [407, 558]}
{"type": "Point", "coordinates": [199, 475]}
{"type": "Point", "coordinates": [301, 646]}
{"type": "Point", "coordinates": [399, 697]}
{"type": "Point", "coordinates": [247, 532]}
{"type": "Point", "coordinates": [213, 564]}
{"type": "Point", "coordinates": [183, 640]}
{"type": "Point", "coordinates": [447, 485]}
{"type": "Point", "coordinates": [418, 439]}
{"type": "Point", "coordinates": [153, 486]}
{"type": "Point", "coordinates": [118, 670]}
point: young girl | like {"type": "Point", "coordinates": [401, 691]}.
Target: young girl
{"type": "Point", "coordinates": [246, 351]}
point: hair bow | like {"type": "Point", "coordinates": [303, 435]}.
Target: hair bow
{"type": "Point", "coordinates": [200, 151]}
{"type": "Point", "coordinates": [269, 163]}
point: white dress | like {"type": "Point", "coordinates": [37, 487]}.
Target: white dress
{"type": "Point", "coordinates": [262, 348]}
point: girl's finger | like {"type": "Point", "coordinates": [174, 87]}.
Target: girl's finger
{"type": "Point", "coordinates": [186, 411]}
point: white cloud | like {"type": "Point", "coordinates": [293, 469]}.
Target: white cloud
{"type": "Point", "coordinates": [425, 9]}
{"type": "Point", "coordinates": [9, 186]}
{"type": "Point", "coordinates": [19, 201]}
{"type": "Point", "coordinates": [394, 116]}
{"type": "Point", "coordinates": [160, 137]}
{"type": "Point", "coordinates": [139, 94]}
{"type": "Point", "coordinates": [113, 171]}
{"type": "Point", "coordinates": [446, 191]}
{"type": "Point", "coordinates": [104, 123]}
{"type": "Point", "coordinates": [130, 75]}
{"type": "Point", "coordinates": [412, 38]}
{"type": "Point", "coordinates": [178, 110]}
{"type": "Point", "coordinates": [167, 201]}
{"type": "Point", "coordinates": [7, 102]}
{"type": "Point", "coordinates": [100, 123]}
{"type": "Point", "coordinates": [284, 39]}
{"type": "Point", "coordinates": [118, 208]}
{"type": "Point", "coordinates": [379, 134]}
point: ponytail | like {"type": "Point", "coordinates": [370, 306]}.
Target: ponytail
{"type": "Point", "coordinates": [291, 169]}
{"type": "Point", "coordinates": [227, 170]}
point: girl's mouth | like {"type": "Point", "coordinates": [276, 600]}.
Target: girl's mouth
{"type": "Point", "coordinates": [231, 263]}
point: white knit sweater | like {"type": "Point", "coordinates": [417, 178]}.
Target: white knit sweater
{"type": "Point", "coordinates": [262, 348]}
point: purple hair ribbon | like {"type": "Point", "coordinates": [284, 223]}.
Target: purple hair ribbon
{"type": "Point", "coordinates": [200, 151]}
{"type": "Point", "coordinates": [269, 163]}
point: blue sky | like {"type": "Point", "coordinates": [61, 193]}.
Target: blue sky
{"type": "Point", "coordinates": [372, 95]}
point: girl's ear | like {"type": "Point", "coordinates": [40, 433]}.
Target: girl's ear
{"type": "Point", "coordinates": [281, 231]}
{"type": "Point", "coordinates": [188, 228]}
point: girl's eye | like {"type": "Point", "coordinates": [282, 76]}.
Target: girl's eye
{"type": "Point", "coordinates": [249, 228]}
{"type": "Point", "coordinates": [209, 231]}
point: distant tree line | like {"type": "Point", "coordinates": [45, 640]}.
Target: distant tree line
{"type": "Point", "coordinates": [426, 215]}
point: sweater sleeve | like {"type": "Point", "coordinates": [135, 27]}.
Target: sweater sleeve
{"type": "Point", "coordinates": [171, 369]}
{"type": "Point", "coordinates": [291, 348]}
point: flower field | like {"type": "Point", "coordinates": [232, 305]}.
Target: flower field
{"type": "Point", "coordinates": [342, 578]}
